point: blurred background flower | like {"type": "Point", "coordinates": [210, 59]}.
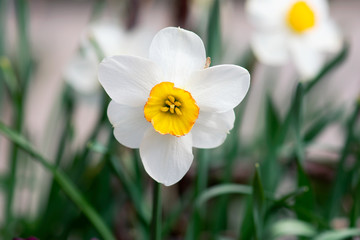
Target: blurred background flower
{"type": "Point", "coordinates": [300, 31]}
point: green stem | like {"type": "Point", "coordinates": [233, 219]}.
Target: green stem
{"type": "Point", "coordinates": [64, 182]}
{"type": "Point", "coordinates": [155, 231]}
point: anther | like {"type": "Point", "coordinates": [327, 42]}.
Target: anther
{"type": "Point", "coordinates": [164, 109]}
{"type": "Point", "coordinates": [171, 98]}
{"type": "Point", "coordinates": [178, 112]}
{"type": "Point", "coordinates": [172, 107]}
{"type": "Point", "coordinates": [167, 102]}
{"type": "Point", "coordinates": [178, 104]}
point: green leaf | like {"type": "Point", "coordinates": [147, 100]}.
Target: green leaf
{"type": "Point", "coordinates": [24, 58]}
{"type": "Point", "coordinates": [342, 176]}
{"type": "Point", "coordinates": [221, 190]}
{"type": "Point", "coordinates": [331, 65]}
{"type": "Point", "coordinates": [319, 124]}
{"type": "Point", "coordinates": [355, 210]}
{"type": "Point", "coordinates": [283, 201]}
{"type": "Point", "coordinates": [66, 185]}
{"type": "Point", "coordinates": [131, 190]}
{"type": "Point", "coordinates": [258, 204]}
{"type": "Point", "coordinates": [270, 167]}
{"type": "Point", "coordinates": [129, 186]}
{"type": "Point", "coordinates": [3, 10]}
{"type": "Point", "coordinates": [339, 234]}
{"type": "Point", "coordinates": [247, 225]}
{"type": "Point", "coordinates": [272, 123]}
{"type": "Point", "coordinates": [214, 45]}
{"type": "Point", "coordinates": [8, 74]}
{"type": "Point", "coordinates": [292, 227]}
{"type": "Point", "coordinates": [297, 120]}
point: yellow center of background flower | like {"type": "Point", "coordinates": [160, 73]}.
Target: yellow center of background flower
{"type": "Point", "coordinates": [171, 110]}
{"type": "Point", "coordinates": [301, 17]}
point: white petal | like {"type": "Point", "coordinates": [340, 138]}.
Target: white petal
{"type": "Point", "coordinates": [219, 88]}
{"type": "Point", "coordinates": [178, 52]}
{"type": "Point", "coordinates": [270, 48]}
{"type": "Point", "coordinates": [109, 36]}
{"type": "Point", "coordinates": [307, 59]}
{"type": "Point", "coordinates": [211, 129]}
{"type": "Point", "coordinates": [166, 158]}
{"type": "Point", "coordinates": [267, 14]}
{"type": "Point", "coordinates": [81, 72]}
{"type": "Point", "coordinates": [326, 38]}
{"type": "Point", "coordinates": [320, 8]}
{"type": "Point", "coordinates": [129, 124]}
{"type": "Point", "coordinates": [127, 79]}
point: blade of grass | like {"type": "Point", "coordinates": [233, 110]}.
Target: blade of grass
{"type": "Point", "coordinates": [131, 191]}
{"type": "Point", "coordinates": [221, 190]}
{"type": "Point", "coordinates": [193, 231]}
{"type": "Point", "coordinates": [259, 204]}
{"type": "Point", "coordinates": [66, 185]}
{"type": "Point", "coordinates": [24, 58]}
{"type": "Point", "coordinates": [177, 210]}
{"type": "Point", "coordinates": [292, 227]}
{"type": "Point", "coordinates": [3, 11]}
{"type": "Point", "coordinates": [339, 234]}
{"type": "Point", "coordinates": [129, 187]}
{"type": "Point", "coordinates": [247, 227]}
{"type": "Point", "coordinates": [329, 66]}
{"type": "Point", "coordinates": [214, 44]}
{"type": "Point", "coordinates": [320, 124]}
{"type": "Point", "coordinates": [355, 210]}
{"type": "Point", "coordinates": [342, 177]}
{"type": "Point", "coordinates": [306, 200]}
{"type": "Point", "coordinates": [9, 78]}
{"type": "Point", "coordinates": [283, 201]}
{"type": "Point", "coordinates": [270, 168]}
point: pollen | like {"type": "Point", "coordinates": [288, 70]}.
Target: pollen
{"type": "Point", "coordinates": [171, 110]}
{"type": "Point", "coordinates": [300, 17]}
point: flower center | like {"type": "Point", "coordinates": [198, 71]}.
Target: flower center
{"type": "Point", "coordinates": [300, 17]}
{"type": "Point", "coordinates": [172, 105]}
{"type": "Point", "coordinates": [171, 110]}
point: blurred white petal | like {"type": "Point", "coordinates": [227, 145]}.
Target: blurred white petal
{"type": "Point", "coordinates": [270, 48]}
{"type": "Point", "coordinates": [307, 59]}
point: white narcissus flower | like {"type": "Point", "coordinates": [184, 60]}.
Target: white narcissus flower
{"type": "Point", "coordinates": [81, 72]}
{"type": "Point", "coordinates": [171, 102]}
{"type": "Point", "coordinates": [300, 31]}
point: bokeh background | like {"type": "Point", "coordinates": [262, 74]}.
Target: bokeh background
{"type": "Point", "coordinates": [56, 31]}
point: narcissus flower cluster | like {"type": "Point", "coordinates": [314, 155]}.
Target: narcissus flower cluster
{"type": "Point", "coordinates": [171, 102]}
{"type": "Point", "coordinates": [297, 30]}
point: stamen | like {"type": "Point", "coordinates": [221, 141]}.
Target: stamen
{"type": "Point", "coordinates": [208, 62]}
{"type": "Point", "coordinates": [172, 107]}
{"type": "Point", "coordinates": [178, 111]}
{"type": "Point", "coordinates": [164, 109]}
{"type": "Point", "coordinates": [178, 104]}
{"type": "Point", "coordinates": [167, 102]}
{"type": "Point", "coordinates": [171, 98]}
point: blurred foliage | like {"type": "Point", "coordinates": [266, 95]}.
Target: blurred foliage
{"type": "Point", "coordinates": [110, 199]}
